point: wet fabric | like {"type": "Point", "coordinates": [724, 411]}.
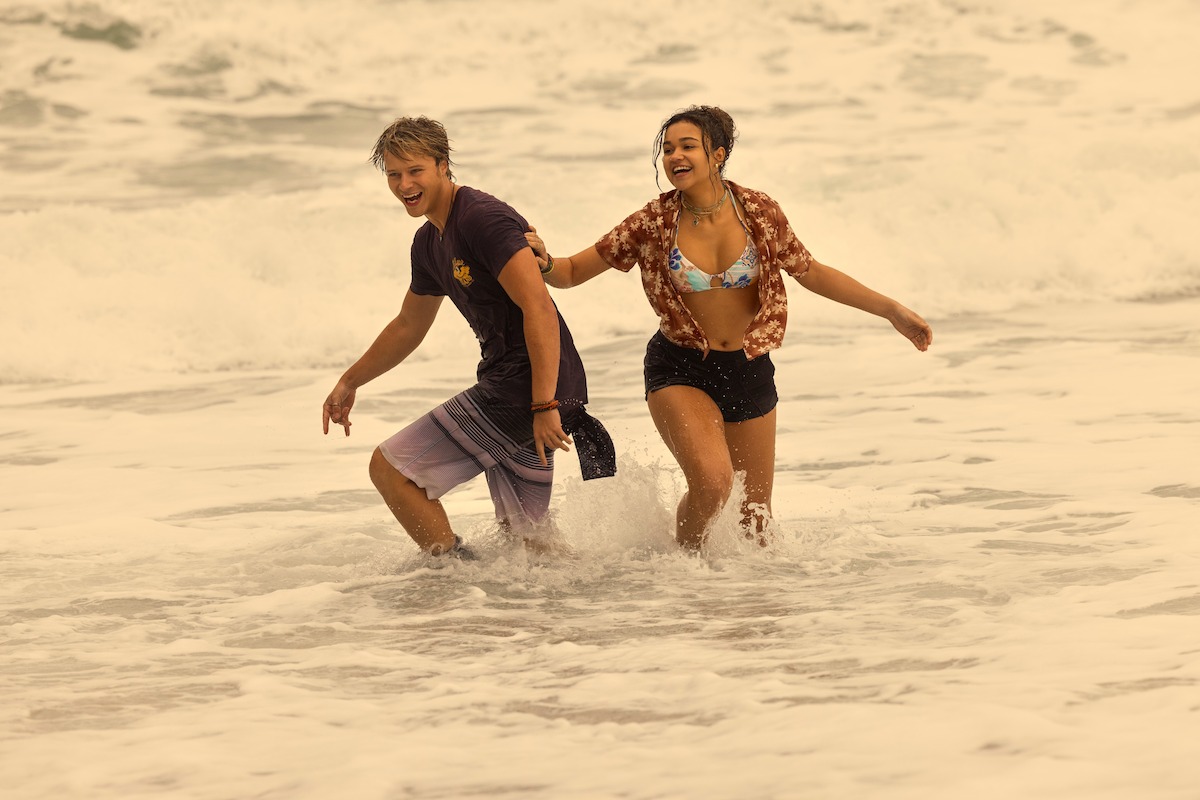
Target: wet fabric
{"type": "Point", "coordinates": [475, 432]}
{"type": "Point", "coordinates": [742, 388]}
{"type": "Point", "coordinates": [463, 263]}
{"type": "Point", "coordinates": [646, 237]}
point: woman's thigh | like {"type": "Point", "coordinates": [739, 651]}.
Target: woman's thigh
{"type": "Point", "coordinates": [752, 450]}
{"type": "Point", "coordinates": [692, 428]}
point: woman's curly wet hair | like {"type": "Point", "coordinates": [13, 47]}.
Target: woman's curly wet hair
{"type": "Point", "coordinates": [716, 128]}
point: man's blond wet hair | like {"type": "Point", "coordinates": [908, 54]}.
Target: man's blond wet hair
{"type": "Point", "coordinates": [414, 136]}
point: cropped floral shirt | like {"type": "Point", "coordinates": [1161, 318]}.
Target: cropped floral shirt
{"type": "Point", "coordinates": [645, 238]}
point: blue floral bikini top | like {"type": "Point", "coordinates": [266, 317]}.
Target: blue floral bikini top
{"type": "Point", "coordinates": [688, 278]}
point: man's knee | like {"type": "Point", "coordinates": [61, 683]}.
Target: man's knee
{"type": "Point", "coordinates": [382, 471]}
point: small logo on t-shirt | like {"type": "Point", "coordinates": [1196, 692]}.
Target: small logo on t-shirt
{"type": "Point", "coordinates": [462, 272]}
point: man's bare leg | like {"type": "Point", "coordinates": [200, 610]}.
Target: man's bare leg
{"type": "Point", "coordinates": [423, 519]}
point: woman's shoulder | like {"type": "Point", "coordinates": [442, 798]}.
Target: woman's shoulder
{"type": "Point", "coordinates": [748, 196]}
{"type": "Point", "coordinates": [657, 213]}
{"type": "Point", "coordinates": [665, 203]}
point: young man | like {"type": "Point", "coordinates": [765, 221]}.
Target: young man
{"type": "Point", "coordinates": [531, 387]}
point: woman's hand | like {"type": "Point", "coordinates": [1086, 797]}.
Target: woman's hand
{"type": "Point", "coordinates": [912, 327]}
{"type": "Point", "coordinates": [539, 247]}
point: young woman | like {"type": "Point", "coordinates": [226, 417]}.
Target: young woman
{"type": "Point", "coordinates": [712, 255]}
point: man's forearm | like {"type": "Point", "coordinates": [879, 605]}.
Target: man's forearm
{"type": "Point", "coordinates": [394, 344]}
{"type": "Point", "coordinates": [541, 339]}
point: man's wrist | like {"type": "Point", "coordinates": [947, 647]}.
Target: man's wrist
{"type": "Point", "coordinates": [538, 407]}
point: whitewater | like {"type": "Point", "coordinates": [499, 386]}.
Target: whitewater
{"type": "Point", "coordinates": [984, 580]}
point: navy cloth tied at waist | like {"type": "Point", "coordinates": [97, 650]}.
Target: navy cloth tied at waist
{"type": "Point", "coordinates": [593, 445]}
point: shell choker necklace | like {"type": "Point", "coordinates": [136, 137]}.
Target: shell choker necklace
{"type": "Point", "coordinates": [707, 211]}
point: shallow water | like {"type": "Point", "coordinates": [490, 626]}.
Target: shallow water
{"type": "Point", "coordinates": [971, 592]}
{"type": "Point", "coordinates": [982, 577]}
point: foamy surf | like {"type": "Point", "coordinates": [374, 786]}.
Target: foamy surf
{"type": "Point", "coordinates": [981, 580]}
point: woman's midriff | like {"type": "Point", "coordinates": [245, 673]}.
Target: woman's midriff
{"type": "Point", "coordinates": [724, 314]}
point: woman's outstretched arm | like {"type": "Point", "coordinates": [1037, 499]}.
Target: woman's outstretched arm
{"type": "Point", "coordinates": [840, 287]}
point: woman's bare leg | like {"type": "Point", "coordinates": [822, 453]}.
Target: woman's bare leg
{"type": "Point", "coordinates": [752, 450]}
{"type": "Point", "coordinates": [692, 428]}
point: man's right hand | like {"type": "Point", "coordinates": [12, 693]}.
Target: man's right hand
{"type": "Point", "coordinates": [337, 407]}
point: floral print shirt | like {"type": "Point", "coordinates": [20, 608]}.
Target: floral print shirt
{"type": "Point", "coordinates": [645, 239]}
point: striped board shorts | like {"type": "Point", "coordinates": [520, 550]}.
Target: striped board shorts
{"type": "Point", "coordinates": [472, 433]}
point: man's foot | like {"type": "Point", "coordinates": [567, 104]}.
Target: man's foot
{"type": "Point", "coordinates": [461, 551]}
{"type": "Point", "coordinates": [552, 545]}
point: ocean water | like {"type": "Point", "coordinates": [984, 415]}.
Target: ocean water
{"type": "Point", "coordinates": [984, 574]}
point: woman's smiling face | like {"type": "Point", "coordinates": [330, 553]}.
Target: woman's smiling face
{"type": "Point", "coordinates": [684, 155]}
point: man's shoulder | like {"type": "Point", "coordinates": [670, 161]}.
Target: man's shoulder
{"type": "Point", "coordinates": [486, 231]}
{"type": "Point", "coordinates": [477, 203]}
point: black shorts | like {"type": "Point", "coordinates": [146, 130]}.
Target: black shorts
{"type": "Point", "coordinates": [742, 388]}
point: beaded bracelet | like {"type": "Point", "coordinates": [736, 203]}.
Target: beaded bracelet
{"type": "Point", "coordinates": [549, 265]}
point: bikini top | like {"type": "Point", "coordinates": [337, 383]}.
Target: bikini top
{"type": "Point", "coordinates": [688, 278]}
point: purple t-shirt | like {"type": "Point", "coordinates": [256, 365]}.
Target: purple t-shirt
{"type": "Point", "coordinates": [464, 264]}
